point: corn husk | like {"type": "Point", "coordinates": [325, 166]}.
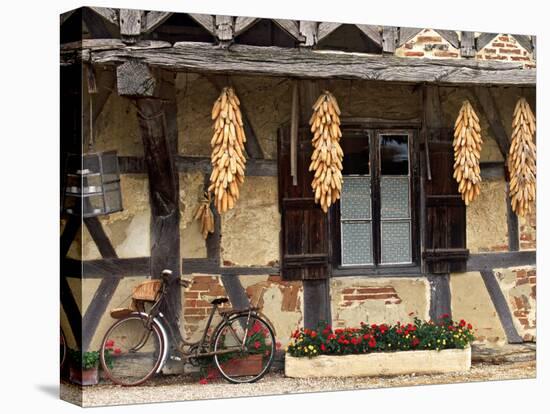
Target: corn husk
{"type": "Point", "coordinates": [522, 159]}
{"type": "Point", "coordinates": [326, 160]}
{"type": "Point", "coordinates": [228, 159]}
{"type": "Point", "coordinates": [467, 150]}
{"type": "Point", "coordinates": [205, 216]}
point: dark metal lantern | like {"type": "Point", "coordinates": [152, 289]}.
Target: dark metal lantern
{"type": "Point", "coordinates": [92, 184]}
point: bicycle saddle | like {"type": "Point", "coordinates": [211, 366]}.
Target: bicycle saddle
{"type": "Point", "coordinates": [219, 301]}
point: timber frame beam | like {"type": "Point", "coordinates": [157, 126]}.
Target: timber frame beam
{"type": "Point", "coordinates": [301, 63]}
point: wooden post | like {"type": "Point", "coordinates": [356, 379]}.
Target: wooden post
{"type": "Point", "coordinates": [157, 118]}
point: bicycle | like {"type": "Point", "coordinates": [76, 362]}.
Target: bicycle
{"type": "Point", "coordinates": [136, 346]}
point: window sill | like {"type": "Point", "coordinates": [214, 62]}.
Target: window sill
{"type": "Point", "coordinates": [394, 271]}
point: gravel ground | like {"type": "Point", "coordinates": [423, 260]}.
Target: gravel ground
{"type": "Point", "coordinates": [181, 387]}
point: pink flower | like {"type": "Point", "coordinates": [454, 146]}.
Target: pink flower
{"type": "Point", "coordinates": [109, 344]}
{"type": "Point", "coordinates": [117, 351]}
{"type": "Point", "coordinates": [256, 344]}
{"type": "Point", "coordinates": [277, 345]}
{"type": "Point", "coordinates": [203, 381]}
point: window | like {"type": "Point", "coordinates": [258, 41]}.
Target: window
{"type": "Point", "coordinates": [376, 207]}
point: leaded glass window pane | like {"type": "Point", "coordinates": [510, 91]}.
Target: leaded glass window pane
{"type": "Point", "coordinates": [356, 200]}
{"type": "Point", "coordinates": [394, 197]}
{"type": "Point", "coordinates": [396, 242]}
{"type": "Point", "coordinates": [357, 243]}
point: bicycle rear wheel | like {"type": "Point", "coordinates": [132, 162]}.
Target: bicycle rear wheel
{"type": "Point", "coordinates": [248, 364]}
{"type": "Point", "coordinates": [131, 352]}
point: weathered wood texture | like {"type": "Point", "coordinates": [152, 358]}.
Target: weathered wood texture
{"type": "Point", "coordinates": [242, 24]}
{"type": "Point", "coordinates": [292, 27]}
{"type": "Point", "coordinates": [107, 13]}
{"type": "Point", "coordinates": [304, 227]}
{"type": "Point", "coordinates": [512, 223]}
{"type": "Point", "coordinates": [501, 306]}
{"type": "Point", "coordinates": [468, 44]}
{"type": "Point", "coordinates": [407, 33]}
{"type": "Point", "coordinates": [450, 36]}
{"type": "Point", "coordinates": [326, 28]}
{"type": "Point", "coordinates": [235, 292]}
{"type": "Point", "coordinates": [134, 78]}
{"type": "Point", "coordinates": [254, 167]}
{"type": "Point", "coordinates": [306, 63]}
{"type": "Point", "coordinates": [372, 32]}
{"type": "Point", "coordinates": [308, 30]}
{"type": "Point", "coordinates": [483, 39]}
{"type": "Point", "coordinates": [206, 21]}
{"type": "Point", "coordinates": [316, 302]}
{"type": "Point", "coordinates": [106, 288]}
{"type": "Point", "coordinates": [389, 39]}
{"type": "Point", "coordinates": [224, 28]}
{"type": "Point", "coordinates": [163, 196]}
{"type": "Point", "coordinates": [487, 106]}
{"type": "Point", "coordinates": [130, 24]}
{"type": "Point", "coordinates": [154, 19]}
{"type": "Point", "coordinates": [440, 296]}
{"type": "Point", "coordinates": [489, 261]}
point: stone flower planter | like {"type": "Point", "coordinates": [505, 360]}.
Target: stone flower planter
{"type": "Point", "coordinates": [379, 364]}
{"type": "Point", "coordinates": [84, 376]}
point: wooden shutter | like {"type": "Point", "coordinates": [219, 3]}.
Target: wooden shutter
{"type": "Point", "coordinates": [445, 239]}
{"type": "Point", "coordinates": [304, 226]}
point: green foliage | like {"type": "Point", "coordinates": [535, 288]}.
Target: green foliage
{"type": "Point", "coordinates": [86, 360]}
{"type": "Point", "coordinates": [419, 335]}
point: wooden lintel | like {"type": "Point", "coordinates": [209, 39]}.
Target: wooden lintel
{"type": "Point", "coordinates": [306, 63]}
{"type": "Point", "coordinates": [224, 28]}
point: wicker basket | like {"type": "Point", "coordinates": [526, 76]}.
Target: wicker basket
{"type": "Point", "coordinates": [147, 291]}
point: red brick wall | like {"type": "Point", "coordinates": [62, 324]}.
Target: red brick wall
{"type": "Point", "coordinates": [505, 48]}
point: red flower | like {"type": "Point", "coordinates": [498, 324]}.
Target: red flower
{"type": "Point", "coordinates": [117, 351]}
{"type": "Point", "coordinates": [331, 337]}
{"type": "Point", "coordinates": [399, 331]}
{"type": "Point", "coordinates": [469, 326]}
{"type": "Point", "coordinates": [323, 347]}
{"type": "Point", "coordinates": [383, 328]}
{"type": "Point", "coordinates": [366, 337]}
{"type": "Point", "coordinates": [339, 331]}
{"type": "Point", "coordinates": [374, 326]}
{"type": "Point", "coordinates": [257, 344]}
{"type": "Point", "coordinates": [415, 341]}
{"type": "Point", "coordinates": [256, 328]}
{"type": "Point", "coordinates": [462, 323]}
{"type": "Point", "coordinates": [203, 381]}
{"type": "Point", "coordinates": [372, 343]}
{"type": "Point", "coordinates": [277, 345]}
{"type": "Point", "coordinates": [444, 316]}
{"type": "Point", "coordinates": [313, 334]}
{"type": "Point", "coordinates": [451, 328]}
{"type": "Point", "coordinates": [109, 344]}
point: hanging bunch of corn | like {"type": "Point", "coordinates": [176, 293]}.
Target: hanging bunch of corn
{"type": "Point", "coordinates": [205, 215]}
{"type": "Point", "coordinates": [228, 160]}
{"type": "Point", "coordinates": [522, 159]}
{"type": "Point", "coordinates": [467, 149]}
{"type": "Point", "coordinates": [327, 156]}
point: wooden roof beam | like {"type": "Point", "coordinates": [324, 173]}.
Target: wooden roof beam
{"type": "Point", "coordinates": [107, 13]}
{"type": "Point", "coordinates": [154, 19]}
{"type": "Point", "coordinates": [374, 33]}
{"type": "Point", "coordinates": [306, 63]}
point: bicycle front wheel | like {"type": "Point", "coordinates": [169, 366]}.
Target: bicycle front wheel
{"type": "Point", "coordinates": [131, 352]}
{"type": "Point", "coordinates": [246, 363]}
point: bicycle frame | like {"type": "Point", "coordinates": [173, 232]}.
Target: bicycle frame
{"type": "Point", "coordinates": [168, 332]}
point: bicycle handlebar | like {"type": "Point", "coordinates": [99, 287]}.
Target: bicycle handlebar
{"type": "Point", "coordinates": [166, 275]}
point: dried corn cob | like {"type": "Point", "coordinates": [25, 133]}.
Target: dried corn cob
{"type": "Point", "coordinates": [205, 215]}
{"type": "Point", "coordinates": [522, 159]}
{"type": "Point", "coordinates": [467, 150]}
{"type": "Point", "coordinates": [326, 160]}
{"type": "Point", "coordinates": [228, 160]}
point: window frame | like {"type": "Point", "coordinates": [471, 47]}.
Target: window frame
{"type": "Point", "coordinates": [374, 130]}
